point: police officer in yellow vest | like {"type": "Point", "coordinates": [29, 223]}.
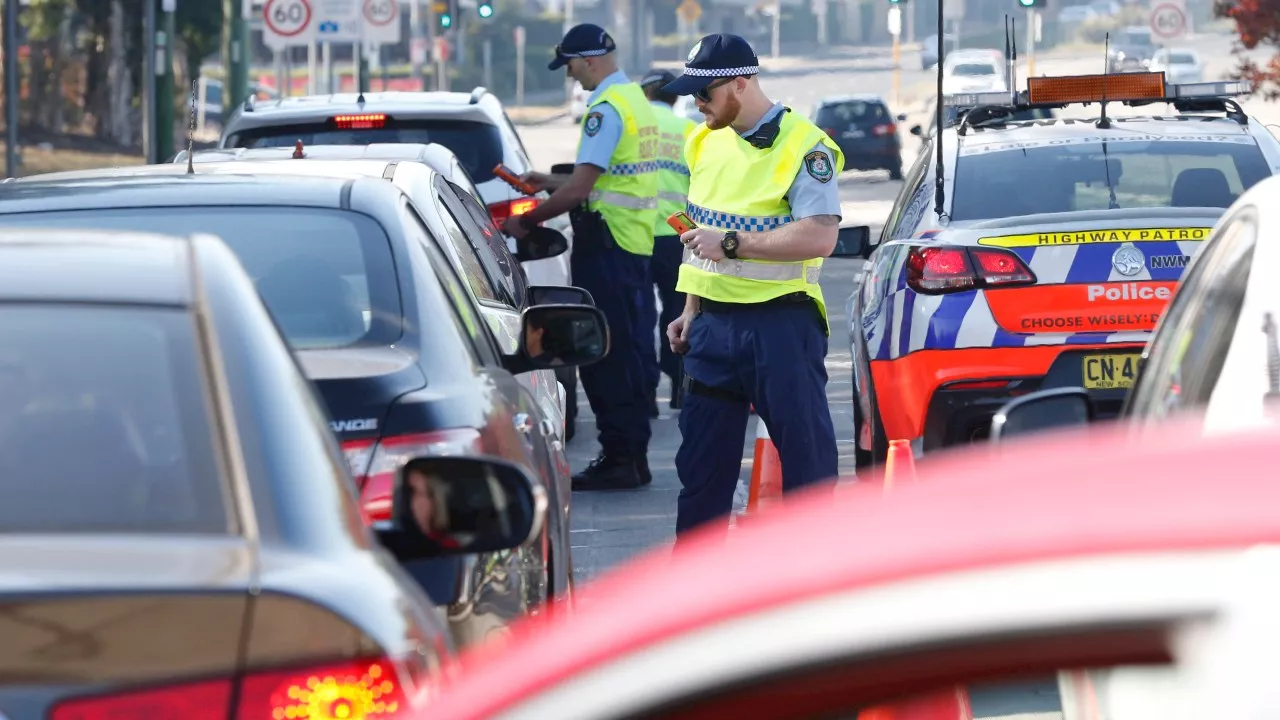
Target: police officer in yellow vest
{"type": "Point", "coordinates": [764, 195]}
{"type": "Point", "coordinates": [664, 266]}
{"type": "Point", "coordinates": [611, 198]}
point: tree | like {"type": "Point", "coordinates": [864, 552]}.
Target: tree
{"type": "Point", "coordinates": [1257, 24]}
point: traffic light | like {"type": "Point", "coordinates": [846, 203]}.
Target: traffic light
{"type": "Point", "coordinates": [1031, 3]}
{"type": "Point", "coordinates": [485, 9]}
{"type": "Point", "coordinates": [900, 2]}
{"type": "Point", "coordinates": [444, 14]}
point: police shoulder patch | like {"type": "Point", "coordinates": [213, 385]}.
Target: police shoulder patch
{"type": "Point", "coordinates": [592, 124]}
{"type": "Point", "coordinates": [818, 164]}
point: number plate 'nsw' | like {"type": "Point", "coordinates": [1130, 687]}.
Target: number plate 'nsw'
{"type": "Point", "coordinates": [1107, 372]}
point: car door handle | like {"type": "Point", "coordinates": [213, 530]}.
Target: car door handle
{"type": "Point", "coordinates": [548, 428]}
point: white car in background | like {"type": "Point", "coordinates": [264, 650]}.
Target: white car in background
{"type": "Point", "coordinates": [1179, 66]}
{"type": "Point", "coordinates": [974, 71]}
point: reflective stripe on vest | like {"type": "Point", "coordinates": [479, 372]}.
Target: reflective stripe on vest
{"type": "Point", "coordinates": [626, 194]}
{"type": "Point", "coordinates": [770, 272]}
{"type": "Point", "coordinates": [674, 198]}
{"type": "Point", "coordinates": [678, 168]}
{"type": "Point", "coordinates": [623, 201]}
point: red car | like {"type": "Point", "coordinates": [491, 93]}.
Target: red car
{"type": "Point", "coordinates": [1057, 577]}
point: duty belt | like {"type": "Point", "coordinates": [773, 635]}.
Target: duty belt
{"type": "Point", "coordinates": [624, 201]}
{"type": "Point", "coordinates": [773, 272]}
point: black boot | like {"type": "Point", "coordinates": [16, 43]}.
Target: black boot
{"type": "Point", "coordinates": [653, 405]}
{"type": "Point", "coordinates": [642, 468]}
{"type": "Point", "coordinates": [608, 473]}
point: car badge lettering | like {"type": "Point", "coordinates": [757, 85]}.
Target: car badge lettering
{"type": "Point", "coordinates": [345, 426]}
{"type": "Point", "coordinates": [1128, 260]}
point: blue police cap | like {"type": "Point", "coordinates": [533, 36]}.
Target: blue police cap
{"type": "Point", "coordinates": [585, 40]}
{"type": "Point", "coordinates": [715, 56]}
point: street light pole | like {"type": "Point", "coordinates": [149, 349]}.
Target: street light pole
{"type": "Point", "coordinates": [11, 87]}
{"type": "Point", "coordinates": [164, 90]}
{"type": "Point", "coordinates": [149, 70]}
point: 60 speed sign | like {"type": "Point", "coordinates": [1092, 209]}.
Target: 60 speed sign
{"type": "Point", "coordinates": [381, 12]}
{"type": "Point", "coordinates": [286, 18]}
{"type": "Point", "coordinates": [1168, 21]}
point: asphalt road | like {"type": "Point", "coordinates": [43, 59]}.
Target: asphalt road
{"type": "Point", "coordinates": [609, 528]}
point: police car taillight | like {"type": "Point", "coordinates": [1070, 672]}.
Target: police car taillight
{"type": "Point", "coordinates": [365, 121]}
{"type": "Point", "coordinates": [939, 270]}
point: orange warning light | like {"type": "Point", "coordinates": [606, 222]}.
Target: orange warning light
{"type": "Point", "coordinates": [1094, 88]}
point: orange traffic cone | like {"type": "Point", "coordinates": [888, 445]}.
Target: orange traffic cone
{"type": "Point", "coordinates": [949, 704]}
{"type": "Point", "coordinates": [766, 471]}
{"type": "Point", "coordinates": [900, 464]}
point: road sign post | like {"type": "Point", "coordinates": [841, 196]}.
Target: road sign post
{"type": "Point", "coordinates": [1168, 21]}
{"type": "Point", "coordinates": [235, 54]}
{"type": "Point", "coordinates": [520, 40]}
{"type": "Point", "coordinates": [287, 23]}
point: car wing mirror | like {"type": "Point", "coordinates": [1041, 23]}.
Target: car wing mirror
{"type": "Point", "coordinates": [853, 242]}
{"type": "Point", "coordinates": [556, 336]}
{"type": "Point", "coordinates": [445, 506]}
{"type": "Point", "coordinates": [540, 243]}
{"type": "Point", "coordinates": [559, 295]}
{"type": "Point", "coordinates": [1043, 410]}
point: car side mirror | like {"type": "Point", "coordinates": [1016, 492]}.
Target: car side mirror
{"type": "Point", "coordinates": [559, 295]}
{"type": "Point", "coordinates": [555, 336]}
{"type": "Point", "coordinates": [540, 243]}
{"type": "Point", "coordinates": [460, 506]}
{"type": "Point", "coordinates": [1043, 410]}
{"type": "Point", "coordinates": [917, 131]}
{"type": "Point", "coordinates": [853, 242]}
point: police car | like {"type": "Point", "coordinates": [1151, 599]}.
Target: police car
{"type": "Point", "coordinates": [1055, 248]}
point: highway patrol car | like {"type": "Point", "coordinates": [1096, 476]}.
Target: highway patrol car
{"type": "Point", "coordinates": [1058, 244]}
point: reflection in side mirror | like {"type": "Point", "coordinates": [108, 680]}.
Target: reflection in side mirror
{"type": "Point", "coordinates": [539, 244]}
{"type": "Point", "coordinates": [853, 242]}
{"type": "Point", "coordinates": [559, 295]}
{"type": "Point", "coordinates": [462, 505]}
{"type": "Point", "coordinates": [917, 130]}
{"type": "Point", "coordinates": [1043, 410]}
{"type": "Point", "coordinates": [556, 336]}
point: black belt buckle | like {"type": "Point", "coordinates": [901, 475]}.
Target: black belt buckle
{"type": "Point", "coordinates": [689, 386]}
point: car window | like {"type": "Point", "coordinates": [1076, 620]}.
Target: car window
{"type": "Point", "coordinates": [478, 145]}
{"type": "Point", "coordinates": [326, 275]}
{"type": "Point", "coordinates": [1182, 58]}
{"type": "Point", "coordinates": [1191, 344]}
{"type": "Point", "coordinates": [503, 266]}
{"type": "Point", "coordinates": [973, 69]}
{"type": "Point", "coordinates": [473, 326]}
{"type": "Point", "coordinates": [472, 270]}
{"type": "Point", "coordinates": [848, 113]}
{"type": "Point", "coordinates": [104, 423]}
{"type": "Point", "coordinates": [1003, 179]}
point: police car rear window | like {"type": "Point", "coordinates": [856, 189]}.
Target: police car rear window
{"type": "Point", "coordinates": [326, 276]}
{"type": "Point", "coordinates": [1007, 179]}
{"type": "Point", "coordinates": [478, 145]}
{"type": "Point", "coordinates": [847, 113]}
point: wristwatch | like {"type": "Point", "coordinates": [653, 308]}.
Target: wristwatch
{"type": "Point", "coordinates": [730, 244]}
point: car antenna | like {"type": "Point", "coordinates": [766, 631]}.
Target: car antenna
{"type": "Point", "coordinates": [1013, 60]}
{"type": "Point", "coordinates": [939, 194]}
{"type": "Point", "coordinates": [1103, 122]}
{"type": "Point", "coordinates": [191, 129]}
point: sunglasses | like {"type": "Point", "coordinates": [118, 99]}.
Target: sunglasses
{"type": "Point", "coordinates": [704, 95]}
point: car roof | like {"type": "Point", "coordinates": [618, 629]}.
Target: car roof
{"type": "Point", "coordinates": [94, 266]}
{"type": "Point", "coordinates": [389, 152]}
{"type": "Point", "coordinates": [307, 108]}
{"type": "Point", "coordinates": [302, 168]}
{"type": "Point", "coordinates": [1012, 505]}
{"type": "Point", "coordinates": [855, 97]}
{"type": "Point", "coordinates": [1066, 127]}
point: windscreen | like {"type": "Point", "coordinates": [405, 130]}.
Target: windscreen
{"type": "Point", "coordinates": [326, 275]}
{"type": "Point", "coordinates": [104, 423]}
{"type": "Point", "coordinates": [1181, 58]}
{"type": "Point", "coordinates": [852, 113]}
{"type": "Point", "coordinates": [973, 69]}
{"type": "Point", "coordinates": [1127, 171]}
{"type": "Point", "coordinates": [478, 145]}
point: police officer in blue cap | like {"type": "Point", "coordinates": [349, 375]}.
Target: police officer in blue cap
{"type": "Point", "coordinates": [764, 195]}
{"type": "Point", "coordinates": [611, 198]}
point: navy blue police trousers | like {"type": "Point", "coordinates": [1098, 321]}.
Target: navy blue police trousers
{"type": "Point", "coordinates": [616, 386]}
{"type": "Point", "coordinates": [771, 355]}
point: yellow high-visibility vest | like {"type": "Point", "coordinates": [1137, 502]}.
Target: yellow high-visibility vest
{"type": "Point", "coordinates": [626, 194]}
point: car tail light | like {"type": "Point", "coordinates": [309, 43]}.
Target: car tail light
{"type": "Point", "coordinates": [831, 132]}
{"type": "Point", "coordinates": [364, 689]}
{"type": "Point", "coordinates": [365, 121]}
{"type": "Point", "coordinates": [369, 689]}
{"type": "Point", "coordinates": [375, 464]}
{"type": "Point", "coordinates": [938, 270]}
{"type": "Point", "coordinates": [500, 211]}
{"type": "Point", "coordinates": [978, 385]}
{"type": "Point", "coordinates": [888, 129]}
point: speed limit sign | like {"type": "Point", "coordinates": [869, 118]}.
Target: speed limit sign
{"type": "Point", "coordinates": [381, 21]}
{"type": "Point", "coordinates": [1168, 21]}
{"type": "Point", "coordinates": [286, 22]}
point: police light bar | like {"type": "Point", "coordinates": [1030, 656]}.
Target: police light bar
{"type": "Point", "coordinates": [969, 100]}
{"type": "Point", "coordinates": [360, 122]}
{"type": "Point", "coordinates": [1222, 88]}
{"type": "Point", "coordinates": [1117, 87]}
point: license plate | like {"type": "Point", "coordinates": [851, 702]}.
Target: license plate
{"type": "Point", "coordinates": [853, 134]}
{"type": "Point", "coordinates": [1108, 372]}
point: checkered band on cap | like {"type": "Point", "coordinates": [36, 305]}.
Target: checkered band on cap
{"type": "Point", "coordinates": [722, 72]}
{"type": "Point", "coordinates": [586, 53]}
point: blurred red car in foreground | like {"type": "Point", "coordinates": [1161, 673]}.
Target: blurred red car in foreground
{"type": "Point", "coordinates": [1076, 576]}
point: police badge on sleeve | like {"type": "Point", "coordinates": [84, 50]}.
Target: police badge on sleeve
{"type": "Point", "coordinates": [819, 166]}
{"type": "Point", "coordinates": [592, 124]}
